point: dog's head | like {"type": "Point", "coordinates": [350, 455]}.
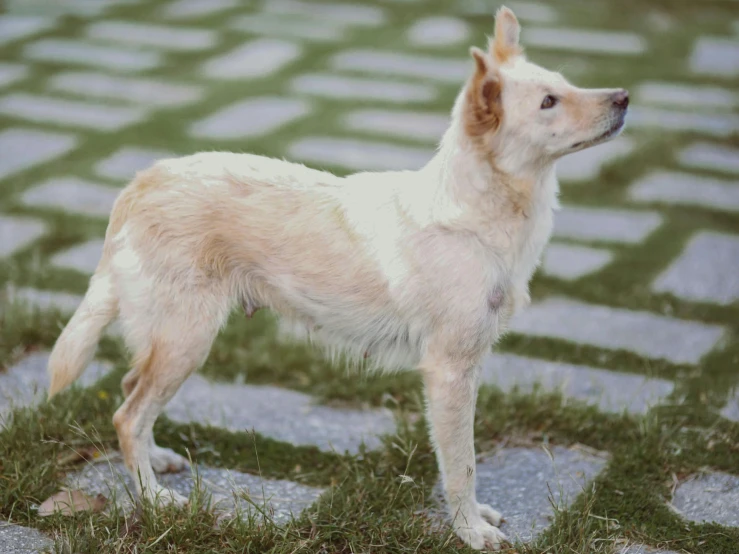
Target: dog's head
{"type": "Point", "coordinates": [520, 113]}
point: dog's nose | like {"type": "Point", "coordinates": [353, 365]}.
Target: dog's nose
{"type": "Point", "coordinates": [620, 98]}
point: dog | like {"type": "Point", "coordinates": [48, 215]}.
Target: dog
{"type": "Point", "coordinates": [413, 269]}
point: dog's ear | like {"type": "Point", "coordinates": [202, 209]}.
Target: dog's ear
{"type": "Point", "coordinates": [483, 107]}
{"type": "Point", "coordinates": [504, 45]}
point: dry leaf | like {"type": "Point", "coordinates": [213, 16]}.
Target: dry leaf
{"type": "Point", "coordinates": [84, 454]}
{"type": "Point", "coordinates": [68, 502]}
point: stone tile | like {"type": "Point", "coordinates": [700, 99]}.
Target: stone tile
{"type": "Point", "coordinates": [71, 194]}
{"type": "Point", "coordinates": [16, 539]}
{"type": "Point", "coordinates": [716, 125]}
{"type": "Point", "coordinates": [278, 413]}
{"type": "Point", "coordinates": [71, 51]}
{"type": "Point", "coordinates": [17, 233]}
{"type": "Point", "coordinates": [348, 14]}
{"type": "Point", "coordinates": [709, 498]}
{"type": "Point", "coordinates": [355, 88]}
{"type": "Point", "coordinates": [183, 39]}
{"type": "Point", "coordinates": [438, 31]}
{"type": "Point", "coordinates": [449, 70]}
{"type": "Point", "coordinates": [359, 155]}
{"type": "Point", "coordinates": [14, 27]}
{"type": "Point", "coordinates": [686, 189]}
{"type": "Point", "coordinates": [26, 148]}
{"type": "Point", "coordinates": [80, 8]}
{"type": "Point", "coordinates": [731, 410]}
{"type": "Point", "coordinates": [602, 224]}
{"type": "Point", "coordinates": [276, 25]}
{"type": "Point", "coordinates": [706, 271]}
{"type": "Point", "coordinates": [12, 73]}
{"type": "Point", "coordinates": [611, 391]}
{"type": "Point", "coordinates": [229, 488]}
{"type": "Point", "coordinates": [570, 262]}
{"type": "Point", "coordinates": [692, 97]}
{"type": "Point", "coordinates": [123, 164]}
{"type": "Point", "coordinates": [83, 257]}
{"type": "Point", "coordinates": [586, 164]}
{"type": "Point", "coordinates": [426, 126]}
{"type": "Point", "coordinates": [584, 40]}
{"type": "Point", "coordinates": [642, 549]}
{"type": "Point", "coordinates": [147, 92]}
{"type": "Point", "coordinates": [257, 58]}
{"type": "Point", "coordinates": [193, 9]}
{"type": "Point", "coordinates": [45, 299]}
{"type": "Point", "coordinates": [47, 109]}
{"type": "Point", "coordinates": [644, 333]}
{"type": "Point", "coordinates": [250, 118]}
{"type": "Point", "coordinates": [715, 56]}
{"type": "Point", "coordinates": [706, 155]}
{"type": "Point", "coordinates": [26, 383]}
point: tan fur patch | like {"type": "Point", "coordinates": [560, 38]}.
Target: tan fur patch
{"type": "Point", "coordinates": [483, 109]}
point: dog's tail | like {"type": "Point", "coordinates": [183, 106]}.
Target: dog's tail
{"type": "Point", "coordinates": [76, 345]}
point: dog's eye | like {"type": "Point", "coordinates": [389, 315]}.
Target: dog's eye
{"type": "Point", "coordinates": [549, 102]}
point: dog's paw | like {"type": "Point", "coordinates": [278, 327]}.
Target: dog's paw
{"type": "Point", "coordinates": [166, 460]}
{"type": "Point", "coordinates": [162, 496]}
{"type": "Point", "coordinates": [493, 517]}
{"type": "Point", "coordinates": [481, 535]}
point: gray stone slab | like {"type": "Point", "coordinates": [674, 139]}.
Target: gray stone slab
{"type": "Point", "coordinates": [716, 125]}
{"type": "Point", "coordinates": [71, 194]}
{"type": "Point", "coordinates": [123, 164]}
{"type": "Point", "coordinates": [584, 40]}
{"type": "Point", "coordinates": [83, 257]}
{"type": "Point", "coordinates": [642, 549]}
{"type": "Point", "coordinates": [586, 164]}
{"type": "Point", "coordinates": [706, 271]}
{"type": "Point", "coordinates": [26, 148]}
{"type": "Point", "coordinates": [349, 14]}
{"type": "Point", "coordinates": [715, 56]}
{"type": "Point", "coordinates": [17, 233]}
{"type": "Point", "coordinates": [602, 224]}
{"type": "Point", "coordinates": [72, 51]}
{"type": "Point", "coordinates": [47, 109]}
{"type": "Point", "coordinates": [650, 335]}
{"type": "Point", "coordinates": [731, 410]}
{"type": "Point", "coordinates": [275, 25]}
{"type": "Point", "coordinates": [80, 8]}
{"type": "Point", "coordinates": [11, 73]}
{"type": "Point", "coordinates": [147, 92]}
{"type": "Point", "coordinates": [15, 27]}
{"type": "Point", "coordinates": [359, 155]}
{"type": "Point", "coordinates": [570, 262]}
{"type": "Point", "coordinates": [15, 539]}
{"type": "Point", "coordinates": [425, 126]}
{"type": "Point", "coordinates": [691, 97]}
{"type": "Point", "coordinates": [706, 155]}
{"type": "Point", "coordinates": [668, 187]}
{"type": "Point", "coordinates": [250, 118]}
{"type": "Point", "coordinates": [448, 70]}
{"type": "Point", "coordinates": [45, 299]}
{"type": "Point", "coordinates": [611, 391]}
{"type": "Point", "coordinates": [709, 498]}
{"type": "Point", "coordinates": [356, 88]}
{"type": "Point", "coordinates": [181, 39]}
{"type": "Point", "coordinates": [229, 489]}
{"type": "Point", "coordinates": [258, 58]}
{"type": "Point", "coordinates": [438, 31]}
{"type": "Point", "coordinates": [193, 9]}
{"type": "Point", "coordinates": [278, 413]}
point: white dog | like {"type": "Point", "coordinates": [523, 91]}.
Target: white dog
{"type": "Point", "coordinates": [415, 269]}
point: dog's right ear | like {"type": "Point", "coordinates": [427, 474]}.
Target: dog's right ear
{"type": "Point", "coordinates": [504, 46]}
{"type": "Point", "coordinates": [483, 108]}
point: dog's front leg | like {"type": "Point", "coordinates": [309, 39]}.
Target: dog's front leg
{"type": "Point", "coordinates": [451, 393]}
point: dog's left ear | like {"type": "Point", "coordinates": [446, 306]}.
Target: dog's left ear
{"type": "Point", "coordinates": [504, 45]}
{"type": "Point", "coordinates": [483, 107]}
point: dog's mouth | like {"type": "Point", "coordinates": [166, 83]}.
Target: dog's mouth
{"type": "Point", "coordinates": [612, 131]}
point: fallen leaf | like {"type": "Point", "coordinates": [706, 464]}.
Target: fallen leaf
{"type": "Point", "coordinates": [68, 502]}
{"type": "Point", "coordinates": [83, 454]}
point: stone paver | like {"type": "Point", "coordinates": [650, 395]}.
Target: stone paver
{"type": "Point", "coordinates": [717, 125]}
{"type": "Point", "coordinates": [571, 262]}
{"type": "Point", "coordinates": [348, 14]}
{"type": "Point", "coordinates": [642, 549]}
{"type": "Point", "coordinates": [47, 109]}
{"type": "Point", "coordinates": [80, 8]}
{"type": "Point", "coordinates": [11, 73]}
{"type": "Point", "coordinates": [611, 391]}
{"type": "Point", "coordinates": [280, 499]}
{"type": "Point", "coordinates": [123, 164]}
{"type": "Point", "coordinates": [15, 539]}
{"type": "Point", "coordinates": [258, 58]}
{"type": "Point", "coordinates": [194, 9]}
{"type": "Point", "coordinates": [706, 271]}
{"type": "Point", "coordinates": [438, 31]}
{"type": "Point", "coordinates": [83, 257]}
{"type": "Point", "coordinates": [250, 118]}
{"type": "Point", "coordinates": [25, 148]}
{"type": "Point", "coordinates": [651, 335]}
{"type": "Point", "coordinates": [586, 164]}
{"type": "Point", "coordinates": [691, 97]}
{"type": "Point", "coordinates": [147, 92]}
{"type": "Point", "coordinates": [356, 88]}
{"type": "Point", "coordinates": [16, 233]}
{"type": "Point", "coordinates": [278, 413]}
{"type": "Point", "coordinates": [449, 70]}
{"type": "Point", "coordinates": [276, 25]}
{"type": "Point", "coordinates": [706, 155]}
{"type": "Point", "coordinates": [45, 299]}
{"type": "Point", "coordinates": [583, 40]}
{"type": "Point", "coordinates": [428, 127]}
{"type": "Point", "coordinates": [686, 189]}
{"type": "Point", "coordinates": [731, 410]}
{"type": "Point", "coordinates": [66, 51]}
{"type": "Point", "coordinates": [710, 497]}
{"type": "Point", "coordinates": [72, 195]}
{"type": "Point", "coordinates": [359, 155]}
{"type": "Point", "coordinates": [601, 224]}
{"type": "Point", "coordinates": [14, 27]}
{"type": "Point", "coordinates": [159, 36]}
{"type": "Point", "coordinates": [715, 56]}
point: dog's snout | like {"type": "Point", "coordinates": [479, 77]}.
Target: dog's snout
{"type": "Point", "coordinates": [620, 98]}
